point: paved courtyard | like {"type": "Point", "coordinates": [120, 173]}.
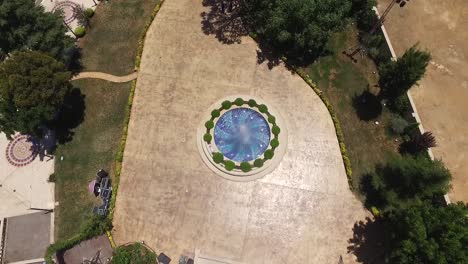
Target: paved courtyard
{"type": "Point", "coordinates": [440, 27]}
{"type": "Point", "coordinates": [303, 212]}
{"type": "Point", "coordinates": [23, 179]}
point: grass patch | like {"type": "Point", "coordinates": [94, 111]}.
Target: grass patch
{"type": "Point", "coordinates": [110, 44]}
{"type": "Point", "coordinates": [343, 81]}
{"type": "Point", "coordinates": [93, 147]}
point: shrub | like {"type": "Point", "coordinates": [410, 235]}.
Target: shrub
{"type": "Point", "coordinates": [268, 154]}
{"type": "Point", "coordinates": [398, 125]}
{"type": "Point", "coordinates": [245, 166]}
{"type": "Point", "coordinates": [400, 105]}
{"type": "Point", "coordinates": [252, 103]}
{"type": "Point", "coordinates": [207, 137]}
{"type": "Point", "coordinates": [89, 12]}
{"type": "Point", "coordinates": [52, 177]}
{"type": "Point", "coordinates": [276, 130]}
{"type": "Point", "coordinates": [274, 143]}
{"type": "Point", "coordinates": [263, 108]}
{"type": "Point", "coordinates": [375, 211]}
{"type": "Point", "coordinates": [226, 104]}
{"type": "Point", "coordinates": [209, 124]}
{"type": "Point", "coordinates": [272, 119]}
{"type": "Point", "coordinates": [215, 113]}
{"type": "Point", "coordinates": [239, 102]}
{"type": "Point", "coordinates": [258, 163]}
{"type": "Point", "coordinates": [218, 157]}
{"type": "Point", "coordinates": [80, 32]}
{"type": "Point", "coordinates": [229, 165]}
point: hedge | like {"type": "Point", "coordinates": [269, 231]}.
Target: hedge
{"type": "Point", "coordinates": [95, 228]}
{"type": "Point", "coordinates": [239, 102]}
{"type": "Point", "coordinates": [252, 103]}
{"type": "Point", "coordinates": [229, 165]}
{"type": "Point", "coordinates": [226, 104]}
{"type": "Point", "coordinates": [245, 166]}
{"type": "Point", "coordinates": [207, 137]}
{"type": "Point", "coordinates": [209, 124]}
{"type": "Point", "coordinates": [336, 122]}
{"type": "Point", "coordinates": [218, 157]}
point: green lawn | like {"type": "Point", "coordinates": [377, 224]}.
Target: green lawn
{"type": "Point", "coordinates": [109, 46]}
{"type": "Point", "coordinates": [342, 80]}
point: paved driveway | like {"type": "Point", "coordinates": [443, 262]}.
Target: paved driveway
{"type": "Point", "coordinates": [303, 212]}
{"type": "Point", "coordinates": [439, 26]}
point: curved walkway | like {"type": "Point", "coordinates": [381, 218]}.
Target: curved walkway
{"type": "Point", "coordinates": [106, 77]}
{"type": "Point", "coordinates": [302, 212]}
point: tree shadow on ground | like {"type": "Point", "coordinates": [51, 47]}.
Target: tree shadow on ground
{"type": "Point", "coordinates": [73, 60]}
{"type": "Point", "coordinates": [367, 243]}
{"type": "Point", "coordinates": [224, 20]}
{"type": "Point", "coordinates": [70, 116]}
{"type": "Point", "coordinates": [367, 106]}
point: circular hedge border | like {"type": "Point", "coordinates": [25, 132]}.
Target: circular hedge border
{"type": "Point", "coordinates": [228, 164]}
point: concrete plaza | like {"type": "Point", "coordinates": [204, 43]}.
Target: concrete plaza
{"type": "Point", "coordinates": [303, 212]}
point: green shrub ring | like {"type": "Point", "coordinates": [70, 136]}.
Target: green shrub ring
{"type": "Point", "coordinates": [228, 164]}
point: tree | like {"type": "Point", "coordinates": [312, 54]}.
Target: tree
{"type": "Point", "coordinates": [32, 90]}
{"type": "Point", "coordinates": [397, 77]}
{"type": "Point", "coordinates": [26, 26]}
{"type": "Point", "coordinates": [297, 27]}
{"type": "Point", "coordinates": [405, 181]}
{"type": "Point", "coordinates": [419, 143]}
{"type": "Point", "coordinates": [364, 15]}
{"type": "Point", "coordinates": [425, 234]}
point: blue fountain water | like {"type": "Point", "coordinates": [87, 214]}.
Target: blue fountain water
{"type": "Point", "coordinates": [242, 134]}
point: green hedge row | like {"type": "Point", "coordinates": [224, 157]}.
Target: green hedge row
{"type": "Point", "coordinates": [336, 122]}
{"type": "Point", "coordinates": [97, 225]}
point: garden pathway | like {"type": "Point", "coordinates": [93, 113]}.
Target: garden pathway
{"type": "Point", "coordinates": [106, 77]}
{"type": "Point", "coordinates": [303, 212]}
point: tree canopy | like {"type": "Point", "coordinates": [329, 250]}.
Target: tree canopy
{"type": "Point", "coordinates": [397, 77]}
{"type": "Point", "coordinates": [26, 26]}
{"type": "Point", "coordinates": [406, 180]}
{"type": "Point", "coordinates": [32, 89]}
{"type": "Point", "coordinates": [425, 234]}
{"type": "Point", "coordinates": [298, 27]}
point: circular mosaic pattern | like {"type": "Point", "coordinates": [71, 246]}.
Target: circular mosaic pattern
{"type": "Point", "coordinates": [68, 9]}
{"type": "Point", "coordinates": [242, 134]}
{"type": "Point", "coordinates": [20, 151]}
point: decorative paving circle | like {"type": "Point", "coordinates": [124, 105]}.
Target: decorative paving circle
{"type": "Point", "coordinates": [68, 9]}
{"type": "Point", "coordinates": [21, 151]}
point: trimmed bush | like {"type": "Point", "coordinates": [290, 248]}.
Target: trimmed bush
{"type": "Point", "coordinates": [80, 32]}
{"type": "Point", "coordinates": [218, 157]}
{"type": "Point", "coordinates": [207, 137]}
{"type": "Point", "coordinates": [245, 166]}
{"type": "Point", "coordinates": [215, 113]}
{"type": "Point", "coordinates": [209, 124]}
{"type": "Point", "coordinates": [239, 102]}
{"type": "Point", "coordinates": [275, 130]}
{"type": "Point", "coordinates": [268, 154]}
{"type": "Point", "coordinates": [252, 103]}
{"type": "Point", "coordinates": [229, 165]}
{"type": "Point", "coordinates": [274, 143]}
{"type": "Point", "coordinates": [226, 104]}
{"type": "Point", "coordinates": [398, 125]}
{"type": "Point", "coordinates": [258, 163]}
{"type": "Point", "coordinates": [263, 108]}
{"type": "Point", "coordinates": [272, 119]}
{"type": "Point", "coordinates": [89, 12]}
